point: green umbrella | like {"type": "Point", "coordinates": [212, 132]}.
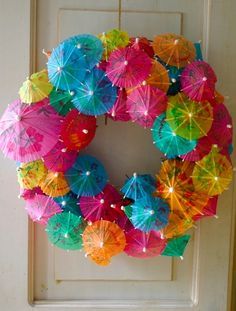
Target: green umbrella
{"type": "Point", "coordinates": [175, 247]}
{"type": "Point", "coordinates": [64, 230]}
{"type": "Point", "coordinates": [61, 101]}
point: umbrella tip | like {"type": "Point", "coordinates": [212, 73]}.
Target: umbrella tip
{"type": "Point", "coordinates": [181, 257]}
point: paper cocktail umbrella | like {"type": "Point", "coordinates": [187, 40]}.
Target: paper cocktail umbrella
{"type": "Point", "coordinates": [28, 132]}
{"type": "Point", "coordinates": [66, 66]}
{"type": "Point", "coordinates": [202, 148]}
{"type": "Point", "coordinates": [61, 101]}
{"type": "Point", "coordinates": [128, 67]}
{"type": "Point", "coordinates": [144, 244]}
{"type": "Point", "coordinates": [54, 184]}
{"type": "Point", "coordinates": [209, 210]}
{"type": "Point", "coordinates": [145, 103]}
{"type": "Point", "coordinates": [102, 240]}
{"type": "Point", "coordinates": [174, 50]}
{"type": "Point", "coordinates": [69, 203]}
{"type": "Point", "coordinates": [87, 177]}
{"type": "Point", "coordinates": [95, 95]}
{"type": "Point", "coordinates": [178, 224]}
{"type": "Point", "coordinates": [176, 247]}
{"type": "Point", "coordinates": [29, 193]}
{"type": "Point", "coordinates": [40, 208]}
{"type": "Point", "coordinates": [35, 88]}
{"type": "Point", "coordinates": [188, 118]}
{"type": "Point", "coordinates": [65, 231]}
{"type": "Point", "coordinates": [119, 111]}
{"type": "Point", "coordinates": [165, 139]}
{"type": "Point", "coordinates": [143, 44]}
{"type": "Point", "coordinates": [159, 76]}
{"type": "Point", "coordinates": [174, 76]}
{"type": "Point", "coordinates": [78, 130]}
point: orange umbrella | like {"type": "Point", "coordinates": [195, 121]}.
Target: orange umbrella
{"type": "Point", "coordinates": [177, 225]}
{"type": "Point", "coordinates": [102, 240]}
{"type": "Point", "coordinates": [54, 184]}
{"type": "Point", "coordinates": [159, 76]}
{"type": "Point", "coordinates": [174, 50]}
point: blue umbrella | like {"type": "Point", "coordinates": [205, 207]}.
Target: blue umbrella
{"type": "Point", "coordinates": [90, 46]}
{"type": "Point", "coordinates": [66, 66]}
{"type": "Point", "coordinates": [148, 213]}
{"type": "Point", "coordinates": [87, 177]}
{"type": "Point", "coordinates": [96, 95]}
{"type": "Point", "coordinates": [138, 186]}
{"type": "Point", "coordinates": [167, 141]}
{"type": "Point", "coordinates": [69, 203]}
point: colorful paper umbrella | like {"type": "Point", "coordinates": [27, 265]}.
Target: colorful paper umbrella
{"type": "Point", "coordinates": [30, 193]}
{"type": "Point", "coordinates": [167, 141]}
{"type": "Point", "coordinates": [212, 174]}
{"type": "Point", "coordinates": [119, 111]}
{"type": "Point", "coordinates": [209, 210]}
{"type": "Point", "coordinates": [174, 76]}
{"type": "Point", "coordinates": [177, 225]}
{"type": "Point", "coordinates": [218, 98]}
{"type": "Point", "coordinates": [187, 118]}
{"type": "Point", "coordinates": [69, 203]}
{"type": "Point", "coordinates": [102, 240]}
{"type": "Point", "coordinates": [176, 247]}
{"type": "Point", "coordinates": [138, 186]}
{"type": "Point", "coordinates": [159, 76]}
{"type": "Point", "coordinates": [100, 206]}
{"type": "Point", "coordinates": [40, 208]}
{"type": "Point", "coordinates": [202, 148]}
{"type": "Point", "coordinates": [144, 244]}
{"type": "Point", "coordinates": [61, 101]}
{"type": "Point", "coordinates": [30, 174]}
{"type": "Point", "coordinates": [87, 177]}
{"type": "Point", "coordinates": [174, 50]}
{"type": "Point", "coordinates": [128, 67]}
{"type": "Point", "coordinates": [78, 130]}
{"type": "Point", "coordinates": [198, 81]}
{"type": "Point", "coordinates": [90, 46]}
{"type": "Point", "coordinates": [96, 95]}
{"type": "Point", "coordinates": [54, 184]}
{"type": "Point", "coordinates": [35, 88]}
{"type": "Point", "coordinates": [198, 49]}
{"type": "Point", "coordinates": [66, 66]}
{"type": "Point", "coordinates": [148, 213]}
{"type": "Point", "coordinates": [65, 231]}
{"type": "Point", "coordinates": [28, 132]}
{"type": "Point", "coordinates": [59, 158]}
{"type": "Point", "coordinates": [143, 44]}
{"type": "Point", "coordinates": [145, 103]}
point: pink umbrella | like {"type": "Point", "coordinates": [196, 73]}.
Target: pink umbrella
{"type": "Point", "coordinates": [143, 44]}
{"type": "Point", "coordinates": [145, 103]}
{"type": "Point", "coordinates": [144, 245]}
{"type": "Point", "coordinates": [100, 206]}
{"type": "Point", "coordinates": [28, 132]}
{"type": "Point", "coordinates": [209, 210]}
{"type": "Point", "coordinates": [59, 158]}
{"type": "Point", "coordinates": [41, 207]}
{"type": "Point", "coordinates": [198, 81]}
{"type": "Point", "coordinates": [119, 111]}
{"type": "Point", "coordinates": [27, 194]}
{"type": "Point", "coordinates": [202, 148]}
{"type": "Point", "coordinates": [128, 67]}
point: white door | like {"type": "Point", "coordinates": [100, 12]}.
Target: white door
{"type": "Point", "coordinates": [66, 279]}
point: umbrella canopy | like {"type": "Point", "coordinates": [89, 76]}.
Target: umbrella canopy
{"type": "Point", "coordinates": [28, 132]}
{"type": "Point", "coordinates": [148, 213]}
{"type": "Point", "coordinates": [165, 139]}
{"type": "Point", "coordinates": [100, 206]}
{"type": "Point", "coordinates": [30, 193]}
{"type": "Point", "coordinates": [122, 220]}
{"type": "Point", "coordinates": [202, 148]}
{"type": "Point", "coordinates": [145, 103]}
{"type": "Point", "coordinates": [119, 111]}
{"type": "Point", "coordinates": [198, 81]}
{"type": "Point", "coordinates": [78, 130]}
{"type": "Point", "coordinates": [189, 119]}
{"type": "Point", "coordinates": [209, 210]}
{"type": "Point", "coordinates": [87, 177]}
{"type": "Point", "coordinates": [144, 244]}
{"type": "Point", "coordinates": [54, 184]}
{"type": "Point", "coordinates": [174, 76]}
{"type": "Point", "coordinates": [212, 174]}
{"type": "Point", "coordinates": [59, 158]}
{"type": "Point", "coordinates": [35, 88]}
{"type": "Point", "coordinates": [30, 174]}
{"type": "Point", "coordinates": [138, 186]}
{"type": "Point", "coordinates": [95, 95]}
{"type": "Point", "coordinates": [69, 203]}
{"type": "Point", "coordinates": [159, 76]}
{"type": "Point", "coordinates": [102, 240]}
{"type": "Point", "coordinates": [66, 66]}
{"type": "Point", "coordinates": [128, 67]}
{"type": "Point", "coordinates": [61, 101]}
{"type": "Point", "coordinates": [174, 50]}
{"type": "Point", "coordinates": [176, 247]}
{"type": "Point", "coordinates": [143, 44]}
{"type": "Point", "coordinates": [90, 46]}
{"type": "Point", "coordinates": [41, 208]}
{"type": "Point", "coordinates": [177, 225]}
{"type": "Point", "coordinates": [65, 231]}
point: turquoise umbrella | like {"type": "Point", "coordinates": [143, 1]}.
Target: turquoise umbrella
{"type": "Point", "coordinates": [176, 247]}
{"type": "Point", "coordinates": [61, 101]}
{"type": "Point", "coordinates": [69, 203]}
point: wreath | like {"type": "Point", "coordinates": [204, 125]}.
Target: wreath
{"type": "Point", "coordinates": [163, 85]}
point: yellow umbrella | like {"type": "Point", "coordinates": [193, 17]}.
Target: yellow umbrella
{"type": "Point", "coordinates": [35, 88]}
{"type": "Point", "coordinates": [54, 184]}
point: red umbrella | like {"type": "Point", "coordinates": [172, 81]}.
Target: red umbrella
{"type": "Point", "coordinates": [122, 220]}
{"type": "Point", "coordinates": [128, 67]}
{"type": "Point", "coordinates": [145, 103]}
{"type": "Point", "coordinates": [78, 130]}
{"type": "Point", "coordinates": [202, 148]}
{"type": "Point", "coordinates": [144, 245]}
{"type": "Point", "coordinates": [143, 44]}
{"type": "Point", "coordinates": [209, 210]}
{"type": "Point", "coordinates": [119, 111]}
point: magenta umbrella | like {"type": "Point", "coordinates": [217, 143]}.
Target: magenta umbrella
{"type": "Point", "coordinates": [145, 103]}
{"type": "Point", "coordinates": [202, 148]}
{"type": "Point", "coordinates": [119, 111]}
{"type": "Point", "coordinates": [41, 207]}
{"type": "Point", "coordinates": [30, 193]}
{"type": "Point", "coordinates": [28, 132]}
{"type": "Point", "coordinates": [198, 81]}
